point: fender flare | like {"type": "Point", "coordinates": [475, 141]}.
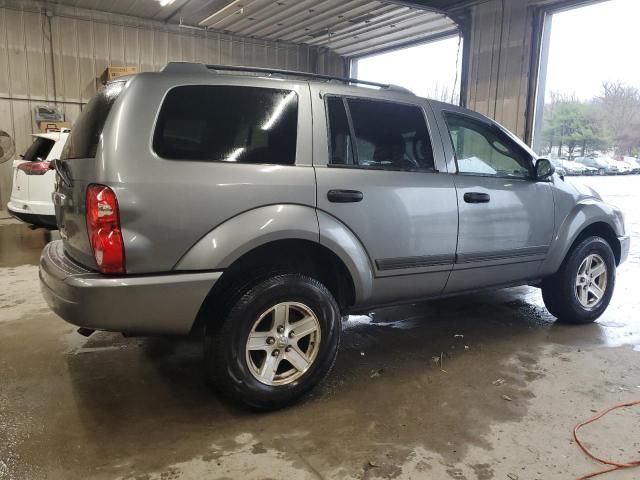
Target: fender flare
{"type": "Point", "coordinates": [585, 213]}
{"type": "Point", "coordinates": [229, 241]}
{"type": "Point", "coordinates": [337, 237]}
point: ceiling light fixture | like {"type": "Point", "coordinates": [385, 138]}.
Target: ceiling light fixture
{"type": "Point", "coordinates": [218, 12]}
{"type": "Point", "coordinates": [165, 3]}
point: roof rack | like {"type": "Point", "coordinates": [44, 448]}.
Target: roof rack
{"type": "Point", "coordinates": [295, 73]}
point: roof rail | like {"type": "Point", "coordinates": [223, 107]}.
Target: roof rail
{"type": "Point", "coordinates": [295, 73]}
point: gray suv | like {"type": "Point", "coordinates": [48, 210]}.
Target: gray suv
{"type": "Point", "coordinates": [264, 206]}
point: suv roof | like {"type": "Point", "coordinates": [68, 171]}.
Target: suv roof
{"type": "Point", "coordinates": [188, 67]}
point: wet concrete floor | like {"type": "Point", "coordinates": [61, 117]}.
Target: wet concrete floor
{"type": "Point", "coordinates": [478, 387]}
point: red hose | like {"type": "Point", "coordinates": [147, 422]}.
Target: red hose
{"type": "Point", "coordinates": [611, 465]}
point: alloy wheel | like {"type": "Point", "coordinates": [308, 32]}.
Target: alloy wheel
{"type": "Point", "coordinates": [591, 281]}
{"type": "Point", "coordinates": [283, 343]}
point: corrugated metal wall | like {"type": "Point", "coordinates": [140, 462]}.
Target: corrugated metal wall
{"type": "Point", "coordinates": [504, 44]}
{"type": "Point", "coordinates": [85, 42]}
{"type": "Point", "coordinates": [499, 62]}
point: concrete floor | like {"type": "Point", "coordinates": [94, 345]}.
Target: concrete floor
{"type": "Point", "coordinates": [502, 404]}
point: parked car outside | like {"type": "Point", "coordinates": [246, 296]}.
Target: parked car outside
{"type": "Point", "coordinates": [557, 164]}
{"type": "Point", "coordinates": [265, 209]}
{"type": "Point", "coordinates": [33, 180]}
{"type": "Point", "coordinates": [603, 167]}
{"type": "Point", "coordinates": [575, 168]}
{"type": "Point", "coordinates": [633, 163]}
{"type": "Point", "coordinates": [623, 168]}
{"type": "Point", "coordinates": [614, 167]}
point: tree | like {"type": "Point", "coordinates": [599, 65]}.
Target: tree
{"type": "Point", "coordinates": [620, 106]}
{"type": "Point", "coordinates": [571, 124]}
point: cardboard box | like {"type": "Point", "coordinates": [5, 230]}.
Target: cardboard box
{"type": "Point", "coordinates": [47, 127]}
{"type": "Point", "coordinates": [112, 73]}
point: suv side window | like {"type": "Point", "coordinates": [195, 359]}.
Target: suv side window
{"type": "Point", "coordinates": [390, 136]}
{"type": "Point", "coordinates": [482, 149]}
{"type": "Point", "coordinates": [219, 123]}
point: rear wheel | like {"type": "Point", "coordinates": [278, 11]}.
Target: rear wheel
{"type": "Point", "coordinates": [278, 340]}
{"type": "Point", "coordinates": [581, 290]}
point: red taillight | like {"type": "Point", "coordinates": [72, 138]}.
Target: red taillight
{"type": "Point", "coordinates": [34, 168]}
{"type": "Point", "coordinates": [103, 226]}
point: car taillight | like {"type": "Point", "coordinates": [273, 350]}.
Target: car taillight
{"type": "Point", "coordinates": [34, 168]}
{"type": "Point", "coordinates": [103, 227]}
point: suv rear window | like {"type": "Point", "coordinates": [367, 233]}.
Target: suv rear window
{"type": "Point", "coordinates": [228, 124]}
{"type": "Point", "coordinates": [40, 148]}
{"type": "Point", "coordinates": [85, 135]}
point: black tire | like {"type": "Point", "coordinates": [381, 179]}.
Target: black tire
{"type": "Point", "coordinates": [224, 345]}
{"type": "Point", "coordinates": [559, 290]}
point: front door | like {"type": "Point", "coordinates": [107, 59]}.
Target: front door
{"type": "Point", "coordinates": [377, 175]}
{"type": "Point", "coordinates": [506, 217]}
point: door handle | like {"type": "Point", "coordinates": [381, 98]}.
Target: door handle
{"type": "Point", "coordinates": [344, 196]}
{"type": "Point", "coordinates": [476, 197]}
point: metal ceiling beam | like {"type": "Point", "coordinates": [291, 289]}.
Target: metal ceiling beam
{"type": "Point", "coordinates": [346, 25]}
{"type": "Point", "coordinates": [375, 27]}
{"type": "Point", "coordinates": [219, 11]}
{"type": "Point", "coordinates": [424, 23]}
{"type": "Point", "coordinates": [231, 19]}
{"type": "Point", "coordinates": [274, 14]}
{"type": "Point", "coordinates": [366, 50]}
{"type": "Point", "coordinates": [413, 33]}
{"type": "Point", "coordinates": [323, 20]}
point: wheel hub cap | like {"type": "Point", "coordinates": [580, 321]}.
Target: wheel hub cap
{"type": "Point", "coordinates": [282, 342]}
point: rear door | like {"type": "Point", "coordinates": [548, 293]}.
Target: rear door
{"type": "Point", "coordinates": [506, 217]}
{"type": "Point", "coordinates": [377, 175]}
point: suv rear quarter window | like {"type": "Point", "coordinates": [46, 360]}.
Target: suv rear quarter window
{"type": "Point", "coordinates": [220, 123]}
{"type": "Point", "coordinates": [85, 135]}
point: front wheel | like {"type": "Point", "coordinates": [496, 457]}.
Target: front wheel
{"type": "Point", "coordinates": [581, 290]}
{"type": "Point", "coordinates": [276, 343]}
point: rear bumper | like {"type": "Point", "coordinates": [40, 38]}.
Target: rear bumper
{"type": "Point", "coordinates": [36, 207]}
{"type": "Point", "coordinates": [46, 221]}
{"type": "Point", "coordinates": [145, 305]}
{"type": "Point", "coordinates": [625, 244]}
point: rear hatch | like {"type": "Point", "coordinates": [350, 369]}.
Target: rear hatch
{"type": "Point", "coordinates": [37, 151]}
{"type": "Point", "coordinates": [76, 169]}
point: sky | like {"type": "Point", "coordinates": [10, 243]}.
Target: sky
{"type": "Point", "coordinates": [589, 45]}
{"type": "Point", "coordinates": [594, 44]}
{"type": "Point", "coordinates": [426, 69]}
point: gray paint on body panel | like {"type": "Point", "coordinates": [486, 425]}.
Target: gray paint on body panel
{"type": "Point", "coordinates": [411, 235]}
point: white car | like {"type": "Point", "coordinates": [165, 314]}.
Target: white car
{"type": "Point", "coordinates": [34, 182]}
{"type": "Point", "coordinates": [633, 163]}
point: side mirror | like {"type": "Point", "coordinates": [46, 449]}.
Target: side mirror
{"type": "Point", "coordinates": [544, 169]}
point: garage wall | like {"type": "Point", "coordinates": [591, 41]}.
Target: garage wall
{"type": "Point", "coordinates": [84, 42]}
{"type": "Point", "coordinates": [503, 46]}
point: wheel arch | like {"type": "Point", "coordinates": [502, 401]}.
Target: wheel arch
{"type": "Point", "coordinates": [283, 237]}
{"type": "Point", "coordinates": [588, 218]}
{"type": "Point", "coordinates": [276, 257]}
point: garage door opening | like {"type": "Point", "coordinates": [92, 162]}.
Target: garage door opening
{"type": "Point", "coordinates": [588, 101]}
{"type": "Point", "coordinates": [429, 70]}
